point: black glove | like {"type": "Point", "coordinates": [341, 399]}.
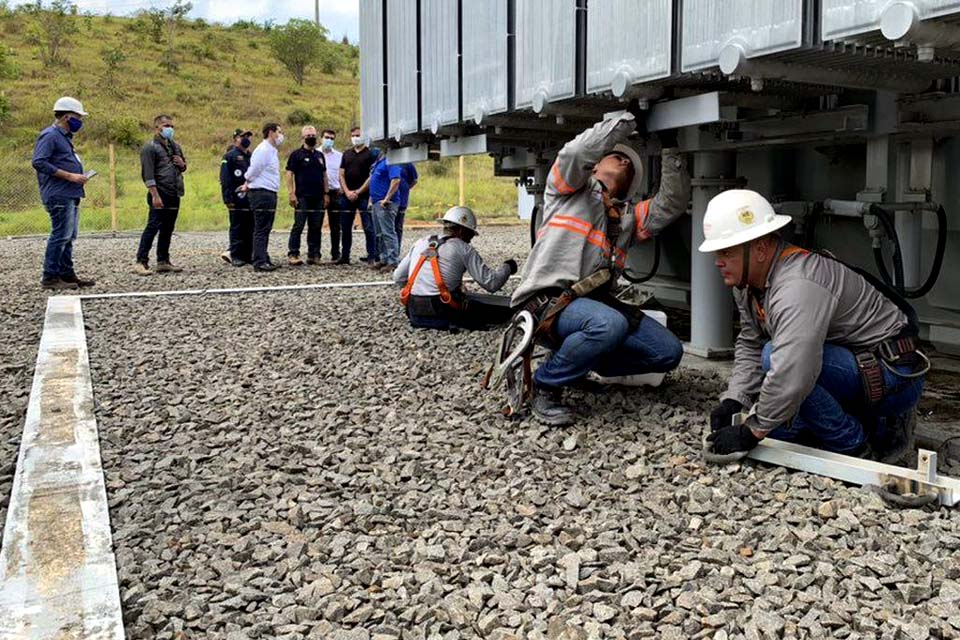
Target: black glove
{"type": "Point", "coordinates": [513, 265]}
{"type": "Point", "coordinates": [732, 439]}
{"type": "Point", "coordinates": [639, 116]}
{"type": "Point", "coordinates": [721, 416]}
{"type": "Point", "coordinates": [668, 138]}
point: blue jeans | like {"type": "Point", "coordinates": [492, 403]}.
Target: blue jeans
{"type": "Point", "coordinates": [401, 215]}
{"type": "Point", "coordinates": [835, 416]}
{"type": "Point", "coordinates": [64, 222]}
{"type": "Point", "coordinates": [597, 338]}
{"type": "Point", "coordinates": [386, 220]}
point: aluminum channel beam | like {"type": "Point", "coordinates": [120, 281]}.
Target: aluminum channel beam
{"type": "Point", "coordinates": [858, 471]}
{"type": "Point", "coordinates": [372, 109]}
{"type": "Point", "coordinates": [403, 91]}
{"type": "Point", "coordinates": [546, 52]}
{"type": "Point", "coordinates": [58, 575]}
{"type": "Point", "coordinates": [485, 73]}
{"type": "Point", "coordinates": [440, 59]}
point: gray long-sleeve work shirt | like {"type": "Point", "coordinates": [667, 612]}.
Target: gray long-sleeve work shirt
{"type": "Point", "coordinates": [456, 257]}
{"type": "Point", "coordinates": [157, 168]}
{"type": "Point", "coordinates": [809, 300]}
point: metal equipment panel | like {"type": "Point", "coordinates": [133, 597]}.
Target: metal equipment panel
{"type": "Point", "coordinates": [485, 74]}
{"type": "Point", "coordinates": [759, 27]}
{"type": "Point", "coordinates": [546, 51]}
{"type": "Point", "coordinates": [371, 69]}
{"type": "Point", "coordinates": [403, 101]}
{"type": "Point", "coordinates": [628, 42]}
{"type": "Point", "coordinates": [440, 80]}
{"type": "Point", "coordinates": [845, 18]}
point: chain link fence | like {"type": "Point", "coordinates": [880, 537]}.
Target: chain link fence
{"type": "Point", "coordinates": [21, 212]}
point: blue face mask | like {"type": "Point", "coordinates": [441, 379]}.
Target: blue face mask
{"type": "Point", "coordinates": [74, 124]}
{"type": "Point", "coordinates": [167, 133]}
{"type": "Point", "coordinates": [327, 143]}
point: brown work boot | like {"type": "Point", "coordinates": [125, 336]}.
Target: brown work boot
{"type": "Point", "coordinates": [57, 284]}
{"type": "Point", "coordinates": [294, 261]}
{"type": "Point", "coordinates": [314, 262]}
{"type": "Point", "coordinates": [167, 267]}
{"type": "Point", "coordinates": [83, 283]}
{"type": "Point", "coordinates": [142, 269]}
{"type": "Point", "coordinates": [375, 265]}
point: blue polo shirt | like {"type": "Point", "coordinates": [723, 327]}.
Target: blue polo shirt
{"type": "Point", "coordinates": [408, 176]}
{"type": "Point", "coordinates": [381, 175]}
{"type": "Point", "coordinates": [54, 150]}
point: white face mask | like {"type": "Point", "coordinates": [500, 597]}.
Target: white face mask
{"type": "Point", "coordinates": [356, 141]}
{"type": "Point", "coordinates": [279, 139]}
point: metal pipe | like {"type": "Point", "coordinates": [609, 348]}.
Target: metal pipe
{"type": "Point", "coordinates": [846, 208]}
{"type": "Point", "coordinates": [711, 303]}
{"type": "Point", "coordinates": [910, 232]}
{"type": "Point", "coordinates": [734, 61]}
{"type": "Point", "coordinates": [901, 21]}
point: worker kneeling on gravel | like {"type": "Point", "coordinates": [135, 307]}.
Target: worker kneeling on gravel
{"type": "Point", "coordinates": [827, 354]}
{"type": "Point", "coordinates": [589, 224]}
{"type": "Point", "coordinates": [432, 275]}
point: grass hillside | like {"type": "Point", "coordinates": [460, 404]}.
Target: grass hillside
{"type": "Point", "coordinates": [225, 77]}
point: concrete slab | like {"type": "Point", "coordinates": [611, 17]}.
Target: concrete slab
{"type": "Point", "coordinates": [58, 576]}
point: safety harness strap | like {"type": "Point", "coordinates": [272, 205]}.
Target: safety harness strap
{"type": "Point", "coordinates": [431, 254]}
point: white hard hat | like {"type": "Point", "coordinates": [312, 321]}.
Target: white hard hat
{"type": "Point", "coordinates": [736, 217]}
{"type": "Point", "coordinates": [637, 163]}
{"type": "Point", "coordinates": [66, 103]}
{"type": "Point", "coordinates": [462, 216]}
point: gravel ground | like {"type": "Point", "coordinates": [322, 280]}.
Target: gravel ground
{"type": "Point", "coordinates": [108, 260]}
{"type": "Point", "coordinates": [305, 465]}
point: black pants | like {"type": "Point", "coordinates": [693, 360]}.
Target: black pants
{"type": "Point", "coordinates": [160, 225]}
{"type": "Point", "coordinates": [334, 219]}
{"type": "Point", "coordinates": [348, 215]}
{"type": "Point", "coordinates": [241, 231]}
{"type": "Point", "coordinates": [309, 213]}
{"type": "Point", "coordinates": [479, 312]}
{"type": "Point", "coordinates": [264, 205]}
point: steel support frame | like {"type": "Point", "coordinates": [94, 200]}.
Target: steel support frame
{"type": "Point", "coordinates": [711, 302]}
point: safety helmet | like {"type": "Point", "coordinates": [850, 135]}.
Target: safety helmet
{"type": "Point", "coordinates": [462, 216]}
{"type": "Point", "coordinates": [66, 103]}
{"type": "Point", "coordinates": [736, 217]}
{"type": "Point", "coordinates": [637, 163]}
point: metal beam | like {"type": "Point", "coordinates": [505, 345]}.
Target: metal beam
{"type": "Point", "coordinates": [416, 153]}
{"type": "Point", "coordinates": [465, 146]}
{"type": "Point", "coordinates": [923, 479]}
{"type": "Point", "coordinates": [685, 112]}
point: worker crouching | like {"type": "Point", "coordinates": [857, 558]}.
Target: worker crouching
{"type": "Point", "coordinates": [590, 222]}
{"type": "Point", "coordinates": [432, 278]}
{"type": "Point", "coordinates": [827, 355]}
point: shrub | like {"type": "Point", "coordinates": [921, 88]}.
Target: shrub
{"type": "Point", "coordinates": [52, 31]}
{"type": "Point", "coordinates": [5, 109]}
{"type": "Point", "coordinates": [123, 131]}
{"type": "Point", "coordinates": [300, 117]}
{"type": "Point", "coordinates": [113, 58]}
{"type": "Point", "coordinates": [8, 68]}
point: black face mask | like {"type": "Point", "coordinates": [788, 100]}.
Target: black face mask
{"type": "Point", "coordinates": [245, 143]}
{"type": "Point", "coordinates": [311, 141]}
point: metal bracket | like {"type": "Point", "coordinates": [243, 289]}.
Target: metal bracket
{"type": "Point", "coordinates": [416, 153]}
{"type": "Point", "coordinates": [464, 146]}
{"type": "Point", "coordinates": [923, 479]}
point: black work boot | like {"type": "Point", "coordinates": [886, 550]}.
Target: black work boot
{"type": "Point", "coordinates": [548, 407]}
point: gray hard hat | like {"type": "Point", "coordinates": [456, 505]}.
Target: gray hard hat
{"type": "Point", "coordinates": [462, 216]}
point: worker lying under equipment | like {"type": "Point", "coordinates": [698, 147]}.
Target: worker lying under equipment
{"type": "Point", "coordinates": [589, 224]}
{"type": "Point", "coordinates": [827, 355]}
{"type": "Point", "coordinates": [433, 274]}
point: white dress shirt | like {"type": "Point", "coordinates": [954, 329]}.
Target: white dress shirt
{"type": "Point", "coordinates": [264, 171]}
{"type": "Point", "coordinates": [333, 158]}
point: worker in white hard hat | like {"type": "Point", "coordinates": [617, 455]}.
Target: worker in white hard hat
{"type": "Point", "coordinates": [592, 216]}
{"type": "Point", "coordinates": [827, 355]}
{"type": "Point", "coordinates": [61, 178]}
{"type": "Point", "coordinates": [432, 276]}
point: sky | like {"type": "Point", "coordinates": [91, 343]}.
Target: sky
{"type": "Point", "coordinates": [338, 16]}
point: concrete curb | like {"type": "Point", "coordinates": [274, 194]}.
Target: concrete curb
{"type": "Point", "coordinates": [58, 575]}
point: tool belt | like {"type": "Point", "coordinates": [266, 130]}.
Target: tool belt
{"type": "Point", "coordinates": [547, 305]}
{"type": "Point", "coordinates": [902, 350]}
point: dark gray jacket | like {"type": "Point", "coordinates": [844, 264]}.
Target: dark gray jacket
{"type": "Point", "coordinates": [157, 168]}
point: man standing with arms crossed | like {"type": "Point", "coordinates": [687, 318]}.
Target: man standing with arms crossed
{"type": "Point", "coordinates": [354, 175]}
{"type": "Point", "coordinates": [263, 183]}
{"type": "Point", "coordinates": [162, 166]}
{"type": "Point", "coordinates": [61, 179]}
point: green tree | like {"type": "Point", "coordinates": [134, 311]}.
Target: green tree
{"type": "Point", "coordinates": [298, 45]}
{"type": "Point", "coordinates": [113, 58]}
{"type": "Point", "coordinates": [52, 31]}
{"type": "Point", "coordinates": [175, 17]}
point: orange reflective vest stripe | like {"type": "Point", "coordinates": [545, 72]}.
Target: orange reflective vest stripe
{"type": "Point", "coordinates": [431, 254]}
{"type": "Point", "coordinates": [559, 183]}
{"type": "Point", "coordinates": [642, 211]}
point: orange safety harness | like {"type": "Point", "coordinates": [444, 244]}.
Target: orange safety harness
{"type": "Point", "coordinates": [431, 253]}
